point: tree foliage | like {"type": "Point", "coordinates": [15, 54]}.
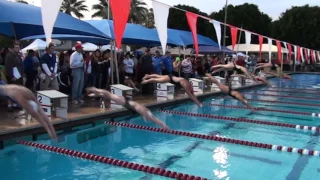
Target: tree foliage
{"type": "Point", "coordinates": [74, 7]}
{"type": "Point", "coordinates": [300, 26]}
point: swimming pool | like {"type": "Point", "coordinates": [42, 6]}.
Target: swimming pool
{"type": "Point", "coordinates": [194, 155]}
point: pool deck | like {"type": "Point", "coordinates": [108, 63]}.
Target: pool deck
{"type": "Point", "coordinates": [87, 113]}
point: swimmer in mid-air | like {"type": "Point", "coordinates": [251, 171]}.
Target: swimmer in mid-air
{"type": "Point", "coordinates": [29, 103]}
{"type": "Point", "coordinates": [275, 70]}
{"type": "Point", "coordinates": [131, 105]}
{"type": "Point", "coordinates": [155, 78]}
{"type": "Point", "coordinates": [227, 90]}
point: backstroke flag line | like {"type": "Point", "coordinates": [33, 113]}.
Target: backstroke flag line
{"type": "Point", "coordinates": [217, 27]}
{"type": "Point", "coordinates": [234, 36]}
{"type": "Point", "coordinates": [290, 52]}
{"type": "Point", "coordinates": [120, 11]}
{"type": "Point", "coordinates": [161, 13]}
{"type": "Point", "coordinates": [279, 51]}
{"type": "Point", "coordinates": [295, 53]}
{"type": "Point", "coordinates": [301, 54]}
{"type": "Point", "coordinates": [192, 21]}
{"type": "Point", "coordinates": [270, 47]}
{"type": "Point", "coordinates": [248, 40]}
{"type": "Point", "coordinates": [49, 13]}
{"type": "Point", "coordinates": [286, 50]}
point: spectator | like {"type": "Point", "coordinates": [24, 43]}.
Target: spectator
{"type": "Point", "coordinates": [14, 70]}
{"type": "Point", "coordinates": [87, 70]}
{"type": "Point", "coordinates": [145, 66]}
{"type": "Point", "coordinates": [64, 73]}
{"type": "Point", "coordinates": [77, 66]}
{"type": "Point", "coordinates": [128, 65]}
{"type": "Point", "coordinates": [97, 67]}
{"type": "Point", "coordinates": [31, 64]}
{"type": "Point", "coordinates": [167, 64]}
{"type": "Point", "coordinates": [106, 71]}
{"type": "Point", "coordinates": [157, 63]}
{"type": "Point", "coordinates": [177, 66]}
{"type": "Point", "coordinates": [49, 67]}
{"type": "Point", "coordinates": [187, 67]}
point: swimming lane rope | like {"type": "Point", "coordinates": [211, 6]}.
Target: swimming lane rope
{"type": "Point", "coordinates": [265, 109]}
{"type": "Point", "coordinates": [282, 102]}
{"type": "Point", "coordinates": [219, 139]}
{"type": "Point", "coordinates": [225, 118]}
{"type": "Point", "coordinates": [297, 89]}
{"type": "Point", "coordinates": [282, 96]}
{"type": "Point", "coordinates": [296, 92]}
{"type": "Point", "coordinates": [115, 162]}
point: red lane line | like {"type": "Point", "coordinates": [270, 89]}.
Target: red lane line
{"type": "Point", "coordinates": [300, 92]}
{"type": "Point", "coordinates": [282, 102]}
{"type": "Point", "coordinates": [115, 162]}
{"type": "Point", "coordinates": [298, 89]}
{"type": "Point", "coordinates": [282, 96]}
{"type": "Point", "coordinates": [264, 109]}
{"type": "Point", "coordinates": [252, 121]}
{"type": "Point", "coordinates": [219, 139]}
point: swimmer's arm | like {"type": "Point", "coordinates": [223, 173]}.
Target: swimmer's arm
{"type": "Point", "coordinates": [117, 99]}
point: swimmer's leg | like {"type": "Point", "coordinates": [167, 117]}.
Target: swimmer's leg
{"type": "Point", "coordinates": [151, 117]}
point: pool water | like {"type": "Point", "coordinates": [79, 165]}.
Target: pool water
{"type": "Point", "coordinates": [198, 157]}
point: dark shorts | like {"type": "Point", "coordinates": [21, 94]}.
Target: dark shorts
{"type": "Point", "coordinates": [128, 75]}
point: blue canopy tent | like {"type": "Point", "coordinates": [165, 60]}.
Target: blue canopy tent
{"type": "Point", "coordinates": [133, 34]}
{"type": "Point", "coordinates": [186, 38]}
{"type": "Point", "coordinates": [91, 39]}
{"type": "Point", "coordinates": [21, 20]}
{"type": "Point", "coordinates": [214, 49]}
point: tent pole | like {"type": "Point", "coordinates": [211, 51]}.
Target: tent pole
{"type": "Point", "coordinates": [111, 62]}
{"type": "Point", "coordinates": [116, 62]}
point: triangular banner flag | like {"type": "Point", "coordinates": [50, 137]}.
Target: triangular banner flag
{"type": "Point", "coordinates": [270, 48]}
{"type": "Point", "coordinates": [192, 21]}
{"type": "Point", "coordinates": [234, 36]}
{"type": "Point", "coordinates": [161, 13]}
{"type": "Point", "coordinates": [260, 46]}
{"type": "Point", "coordinates": [120, 12]}
{"type": "Point", "coordinates": [290, 51]}
{"type": "Point", "coordinates": [217, 27]}
{"type": "Point", "coordinates": [248, 40]}
{"type": "Point", "coordinates": [286, 50]}
{"type": "Point", "coordinates": [49, 13]}
{"type": "Point", "coordinates": [301, 54]}
{"type": "Point", "coordinates": [279, 51]}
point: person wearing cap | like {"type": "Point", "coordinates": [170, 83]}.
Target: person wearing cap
{"type": "Point", "coordinates": [177, 66]}
{"type": "Point", "coordinates": [49, 66]}
{"type": "Point", "coordinates": [77, 67]}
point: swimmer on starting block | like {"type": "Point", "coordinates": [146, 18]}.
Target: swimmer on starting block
{"type": "Point", "coordinates": [131, 105]}
{"type": "Point", "coordinates": [155, 78]}
{"type": "Point", "coordinates": [29, 103]}
{"type": "Point", "coordinates": [227, 90]}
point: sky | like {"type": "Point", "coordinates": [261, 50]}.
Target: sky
{"type": "Point", "coordinates": [271, 7]}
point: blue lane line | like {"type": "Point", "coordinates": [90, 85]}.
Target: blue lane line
{"type": "Point", "coordinates": [302, 161]}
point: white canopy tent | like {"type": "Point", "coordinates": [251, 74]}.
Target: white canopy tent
{"type": "Point", "coordinates": [256, 48]}
{"type": "Point", "coordinates": [37, 44]}
{"type": "Point", "coordinates": [92, 47]}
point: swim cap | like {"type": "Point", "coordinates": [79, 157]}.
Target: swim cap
{"type": "Point", "coordinates": [178, 59]}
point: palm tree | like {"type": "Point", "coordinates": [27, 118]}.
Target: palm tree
{"type": "Point", "coordinates": [74, 7]}
{"type": "Point", "coordinates": [150, 19]}
{"type": "Point", "coordinates": [138, 12]}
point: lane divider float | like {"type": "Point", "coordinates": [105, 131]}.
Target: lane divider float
{"type": "Point", "coordinates": [219, 139]}
{"type": "Point", "coordinates": [293, 92]}
{"type": "Point", "coordinates": [283, 96]}
{"type": "Point", "coordinates": [115, 162]}
{"type": "Point", "coordinates": [281, 102]}
{"type": "Point", "coordinates": [297, 89]}
{"type": "Point", "coordinates": [265, 109]}
{"type": "Point", "coordinates": [313, 129]}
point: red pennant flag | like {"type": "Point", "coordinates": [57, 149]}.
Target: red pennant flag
{"type": "Point", "coordinates": [120, 12]}
{"type": "Point", "coordinates": [260, 46]}
{"type": "Point", "coordinates": [298, 53]}
{"type": "Point", "coordinates": [290, 51]}
{"type": "Point", "coordinates": [234, 36]}
{"type": "Point", "coordinates": [306, 54]}
{"type": "Point", "coordinates": [192, 21]}
{"type": "Point", "coordinates": [279, 51]}
{"type": "Point", "coordinates": [312, 55]}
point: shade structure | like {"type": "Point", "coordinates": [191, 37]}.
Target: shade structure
{"type": "Point", "coordinates": [22, 20]}
{"type": "Point", "coordinates": [214, 49]}
{"type": "Point", "coordinates": [133, 34]}
{"type": "Point", "coordinates": [37, 44]}
{"type": "Point", "coordinates": [91, 39]}
{"type": "Point", "coordinates": [92, 47]}
{"type": "Point", "coordinates": [256, 48]}
{"type": "Point", "coordinates": [186, 38]}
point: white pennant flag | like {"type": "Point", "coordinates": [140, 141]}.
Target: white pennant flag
{"type": "Point", "coordinates": [286, 50]}
{"type": "Point", "coordinates": [314, 56]}
{"type": "Point", "coordinates": [295, 53]}
{"type": "Point", "coordinates": [302, 54]}
{"type": "Point", "coordinates": [248, 40]}
{"type": "Point", "coordinates": [308, 54]}
{"type": "Point", "coordinates": [318, 54]}
{"type": "Point", "coordinates": [217, 27]}
{"type": "Point", "coordinates": [49, 13]}
{"type": "Point", "coordinates": [161, 13]}
{"type": "Point", "coordinates": [270, 48]}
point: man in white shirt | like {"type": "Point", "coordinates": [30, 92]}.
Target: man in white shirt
{"type": "Point", "coordinates": [49, 66]}
{"type": "Point", "coordinates": [77, 66]}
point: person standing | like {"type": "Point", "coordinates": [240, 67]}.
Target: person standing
{"type": "Point", "coordinates": [14, 70]}
{"type": "Point", "coordinates": [49, 66]}
{"type": "Point", "coordinates": [30, 65]}
{"type": "Point", "coordinates": [167, 64]}
{"type": "Point", "coordinates": [77, 66]}
{"type": "Point", "coordinates": [187, 67]}
{"type": "Point", "coordinates": [145, 67]}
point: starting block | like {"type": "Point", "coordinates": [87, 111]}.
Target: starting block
{"type": "Point", "coordinates": [197, 85]}
{"type": "Point", "coordinates": [249, 81]}
{"type": "Point", "coordinates": [120, 90]}
{"type": "Point", "coordinates": [53, 103]}
{"type": "Point", "coordinates": [165, 91]}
